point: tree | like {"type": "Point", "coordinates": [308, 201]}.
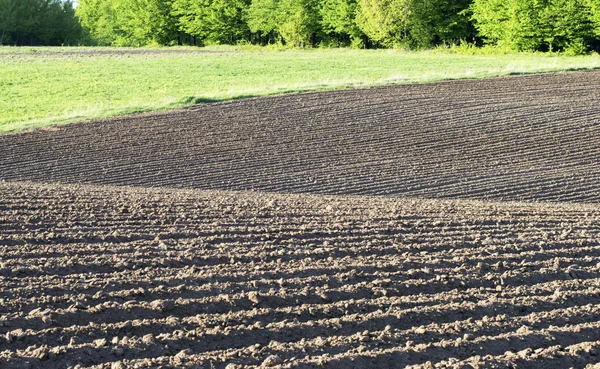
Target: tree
{"type": "Point", "coordinates": [262, 16]}
{"type": "Point", "coordinates": [99, 19]}
{"type": "Point", "coordinates": [296, 21]}
{"type": "Point", "coordinates": [338, 17]}
{"type": "Point", "coordinates": [529, 25]}
{"type": "Point", "coordinates": [493, 20]}
{"type": "Point", "coordinates": [49, 22]}
{"type": "Point", "coordinates": [439, 21]}
{"type": "Point", "coordinates": [567, 25]}
{"type": "Point", "coordinates": [128, 22]}
{"type": "Point", "coordinates": [300, 21]}
{"type": "Point", "coordinates": [594, 6]}
{"type": "Point", "coordinates": [144, 22]}
{"type": "Point", "coordinates": [8, 18]}
{"type": "Point", "coordinates": [216, 21]}
{"type": "Point", "coordinates": [57, 25]}
{"type": "Point", "coordinates": [384, 21]}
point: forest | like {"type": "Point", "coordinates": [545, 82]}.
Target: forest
{"type": "Point", "coordinates": [570, 26]}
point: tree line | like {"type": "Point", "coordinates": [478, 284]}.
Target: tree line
{"type": "Point", "coordinates": [520, 25]}
{"type": "Point", "coordinates": [38, 22]}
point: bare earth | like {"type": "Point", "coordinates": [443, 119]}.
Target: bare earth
{"type": "Point", "coordinates": [521, 138]}
{"type": "Point", "coordinates": [109, 52]}
{"type": "Point", "coordinates": [319, 266]}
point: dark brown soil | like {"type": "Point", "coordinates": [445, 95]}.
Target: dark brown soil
{"type": "Point", "coordinates": [113, 52]}
{"type": "Point", "coordinates": [312, 270]}
{"type": "Point", "coordinates": [124, 277]}
{"type": "Point", "coordinates": [531, 137]}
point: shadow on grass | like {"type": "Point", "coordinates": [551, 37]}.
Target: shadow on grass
{"type": "Point", "coordinates": [191, 100]}
{"type": "Point", "coordinates": [195, 100]}
{"type": "Point", "coordinates": [573, 69]}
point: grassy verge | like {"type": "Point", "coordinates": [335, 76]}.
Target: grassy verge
{"type": "Point", "coordinates": [44, 86]}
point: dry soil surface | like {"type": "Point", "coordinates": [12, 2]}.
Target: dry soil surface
{"type": "Point", "coordinates": [108, 52]}
{"type": "Point", "coordinates": [109, 277]}
{"type": "Point", "coordinates": [127, 271]}
{"type": "Point", "coordinates": [521, 138]}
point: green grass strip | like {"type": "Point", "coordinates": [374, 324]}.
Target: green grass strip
{"type": "Point", "coordinates": [46, 86]}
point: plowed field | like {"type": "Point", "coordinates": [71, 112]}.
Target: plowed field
{"type": "Point", "coordinates": [96, 275]}
{"type": "Point", "coordinates": [520, 138]}
{"type": "Point", "coordinates": [322, 267]}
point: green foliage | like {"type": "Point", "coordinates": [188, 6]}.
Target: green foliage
{"type": "Point", "coordinates": [8, 18]}
{"type": "Point", "coordinates": [439, 21]}
{"type": "Point", "coordinates": [535, 25]}
{"type": "Point", "coordinates": [145, 22]}
{"type": "Point", "coordinates": [568, 25]}
{"type": "Point", "coordinates": [571, 26]}
{"type": "Point", "coordinates": [594, 6]}
{"type": "Point", "coordinates": [99, 19]}
{"type": "Point", "coordinates": [128, 22]}
{"type": "Point", "coordinates": [296, 21]}
{"type": "Point", "coordinates": [338, 18]}
{"type": "Point", "coordinates": [300, 21]}
{"type": "Point", "coordinates": [263, 16]}
{"type": "Point", "coordinates": [384, 21]}
{"type": "Point", "coordinates": [215, 21]}
{"type": "Point", "coordinates": [414, 23]}
{"type": "Point", "coordinates": [576, 47]}
{"type": "Point", "coordinates": [50, 22]}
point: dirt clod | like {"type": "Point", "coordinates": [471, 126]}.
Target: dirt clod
{"type": "Point", "coordinates": [100, 342]}
{"type": "Point", "coordinates": [272, 360]}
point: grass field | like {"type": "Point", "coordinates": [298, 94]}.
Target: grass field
{"type": "Point", "coordinates": [44, 86]}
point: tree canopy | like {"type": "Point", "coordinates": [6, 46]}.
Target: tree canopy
{"type": "Point", "coordinates": [538, 25]}
{"type": "Point", "coordinates": [572, 26]}
{"type": "Point", "coordinates": [38, 22]}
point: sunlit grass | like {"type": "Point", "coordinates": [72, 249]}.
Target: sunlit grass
{"type": "Point", "coordinates": [43, 86]}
